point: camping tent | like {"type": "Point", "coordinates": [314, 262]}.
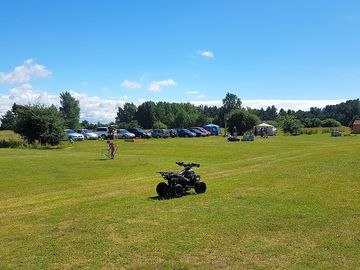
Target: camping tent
{"type": "Point", "coordinates": [214, 129]}
{"type": "Point", "coordinates": [270, 130]}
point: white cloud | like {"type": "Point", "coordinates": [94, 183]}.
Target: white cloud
{"type": "Point", "coordinates": [206, 53]}
{"type": "Point", "coordinates": [131, 85]}
{"type": "Point", "coordinates": [156, 86]}
{"type": "Point", "coordinates": [92, 108]}
{"type": "Point", "coordinates": [295, 104]}
{"type": "Point", "coordinates": [24, 73]}
{"type": "Point", "coordinates": [192, 92]}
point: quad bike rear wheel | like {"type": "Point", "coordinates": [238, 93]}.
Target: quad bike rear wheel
{"type": "Point", "coordinates": [200, 187]}
{"type": "Point", "coordinates": [162, 189]}
{"type": "Point", "coordinates": [178, 190]}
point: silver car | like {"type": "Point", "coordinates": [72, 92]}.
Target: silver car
{"type": "Point", "coordinates": [124, 134]}
{"type": "Point", "coordinates": [88, 134]}
{"type": "Point", "coordinates": [74, 136]}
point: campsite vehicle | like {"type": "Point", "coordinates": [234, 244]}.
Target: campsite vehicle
{"type": "Point", "coordinates": [203, 130]}
{"type": "Point", "coordinates": [160, 133]}
{"type": "Point", "coordinates": [139, 132]}
{"type": "Point", "coordinates": [72, 135]}
{"type": "Point", "coordinates": [124, 134]}
{"type": "Point", "coordinates": [173, 133]}
{"type": "Point", "coordinates": [213, 129]}
{"type": "Point", "coordinates": [102, 132]}
{"type": "Point", "coordinates": [185, 133]}
{"type": "Point", "coordinates": [179, 182]}
{"type": "Point", "coordinates": [197, 132]}
{"type": "Point", "coordinates": [88, 134]}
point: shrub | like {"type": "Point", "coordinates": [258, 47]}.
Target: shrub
{"type": "Point", "coordinates": [290, 124]}
{"type": "Point", "coordinates": [243, 120]}
{"type": "Point", "coordinates": [330, 123]}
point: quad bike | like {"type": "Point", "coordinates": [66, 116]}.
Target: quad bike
{"type": "Point", "coordinates": [179, 182]}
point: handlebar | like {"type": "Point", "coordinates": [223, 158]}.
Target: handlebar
{"type": "Point", "coordinates": [188, 164]}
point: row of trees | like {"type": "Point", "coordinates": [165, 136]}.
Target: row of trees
{"type": "Point", "coordinates": [151, 114]}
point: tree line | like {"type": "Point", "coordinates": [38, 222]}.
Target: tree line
{"type": "Point", "coordinates": [46, 124]}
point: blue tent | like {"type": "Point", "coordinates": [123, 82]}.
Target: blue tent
{"type": "Point", "coordinates": [214, 129]}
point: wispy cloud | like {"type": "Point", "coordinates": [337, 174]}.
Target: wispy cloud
{"type": "Point", "coordinates": [131, 85]}
{"type": "Point", "coordinates": [192, 92]}
{"type": "Point", "coordinates": [24, 73]}
{"type": "Point", "coordinates": [156, 86]}
{"type": "Point", "coordinates": [206, 53]}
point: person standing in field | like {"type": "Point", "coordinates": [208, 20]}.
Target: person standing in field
{"type": "Point", "coordinates": [112, 149]}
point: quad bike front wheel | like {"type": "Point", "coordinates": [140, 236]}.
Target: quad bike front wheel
{"type": "Point", "coordinates": [178, 190]}
{"type": "Point", "coordinates": [200, 187]}
{"type": "Point", "coordinates": [162, 189]}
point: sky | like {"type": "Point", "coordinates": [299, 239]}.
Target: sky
{"type": "Point", "coordinates": [291, 54]}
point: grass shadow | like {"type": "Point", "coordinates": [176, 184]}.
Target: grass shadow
{"type": "Point", "coordinates": [162, 198]}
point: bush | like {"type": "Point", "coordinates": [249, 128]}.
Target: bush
{"type": "Point", "coordinates": [39, 123]}
{"type": "Point", "coordinates": [290, 124]}
{"type": "Point", "coordinates": [330, 123]}
{"type": "Point", "coordinates": [243, 120]}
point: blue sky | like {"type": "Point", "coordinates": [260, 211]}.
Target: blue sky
{"type": "Point", "coordinates": [109, 52]}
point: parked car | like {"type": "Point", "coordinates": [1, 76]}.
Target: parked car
{"type": "Point", "coordinates": [88, 134]}
{"type": "Point", "coordinates": [124, 134]}
{"type": "Point", "coordinates": [102, 132]}
{"type": "Point", "coordinates": [185, 133]}
{"type": "Point", "coordinates": [173, 133]}
{"type": "Point", "coordinates": [139, 132]}
{"type": "Point", "coordinates": [72, 135]}
{"type": "Point", "coordinates": [160, 133]}
{"type": "Point", "coordinates": [106, 132]}
{"type": "Point", "coordinates": [203, 130]}
{"type": "Point", "coordinates": [197, 132]}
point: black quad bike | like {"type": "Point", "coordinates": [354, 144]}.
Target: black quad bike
{"type": "Point", "coordinates": [179, 182]}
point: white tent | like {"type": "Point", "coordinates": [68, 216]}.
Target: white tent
{"type": "Point", "coordinates": [269, 129]}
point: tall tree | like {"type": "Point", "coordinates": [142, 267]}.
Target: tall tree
{"type": "Point", "coordinates": [8, 121]}
{"type": "Point", "coordinates": [145, 114]}
{"type": "Point", "coordinates": [126, 114]}
{"type": "Point", "coordinates": [230, 103]}
{"type": "Point", "coordinates": [69, 110]}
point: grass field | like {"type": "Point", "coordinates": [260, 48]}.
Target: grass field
{"type": "Point", "coordinates": [279, 203]}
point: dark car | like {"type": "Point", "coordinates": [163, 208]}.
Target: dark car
{"type": "Point", "coordinates": [203, 130]}
{"type": "Point", "coordinates": [173, 133]}
{"type": "Point", "coordinates": [160, 133]}
{"type": "Point", "coordinates": [197, 132]}
{"type": "Point", "coordinates": [186, 133]}
{"type": "Point", "coordinates": [139, 132]}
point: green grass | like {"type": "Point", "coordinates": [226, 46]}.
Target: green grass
{"type": "Point", "coordinates": [279, 203]}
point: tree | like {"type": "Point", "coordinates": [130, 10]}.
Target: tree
{"type": "Point", "coordinates": [87, 125]}
{"type": "Point", "coordinates": [69, 110]}
{"type": "Point", "coordinates": [182, 119]}
{"type": "Point", "coordinates": [8, 121]}
{"type": "Point", "coordinates": [126, 114]}
{"type": "Point", "coordinates": [39, 123]}
{"type": "Point", "coordinates": [231, 102]}
{"type": "Point", "coordinates": [290, 124]}
{"type": "Point", "coordinates": [145, 114]}
{"type": "Point", "coordinates": [243, 120]}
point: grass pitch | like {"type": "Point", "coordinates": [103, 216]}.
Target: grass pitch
{"type": "Point", "coordinates": [278, 203]}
